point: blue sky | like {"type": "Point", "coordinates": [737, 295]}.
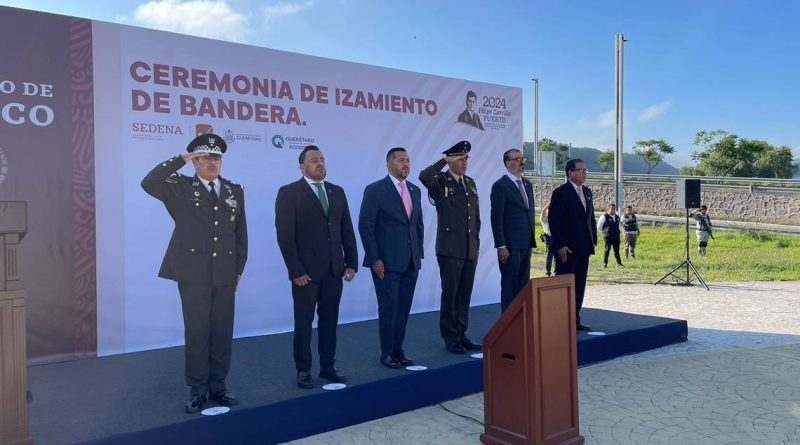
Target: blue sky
{"type": "Point", "coordinates": [689, 65]}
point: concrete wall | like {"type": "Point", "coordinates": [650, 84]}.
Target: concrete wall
{"type": "Point", "coordinates": [723, 204]}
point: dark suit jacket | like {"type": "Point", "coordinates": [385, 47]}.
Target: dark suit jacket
{"type": "Point", "coordinates": [386, 231]}
{"type": "Point", "coordinates": [209, 242]}
{"type": "Point", "coordinates": [310, 242]}
{"type": "Point", "coordinates": [457, 212]}
{"type": "Point", "coordinates": [513, 225]}
{"type": "Point", "coordinates": [570, 224]}
{"type": "Point", "coordinates": [471, 119]}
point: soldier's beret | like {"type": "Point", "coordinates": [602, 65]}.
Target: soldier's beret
{"type": "Point", "coordinates": [460, 148]}
{"type": "Point", "coordinates": [208, 143]}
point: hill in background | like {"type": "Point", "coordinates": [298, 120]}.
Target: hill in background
{"type": "Point", "coordinates": [630, 162]}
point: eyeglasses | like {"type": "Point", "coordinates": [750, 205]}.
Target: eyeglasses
{"type": "Point", "coordinates": [523, 159]}
{"type": "Point", "coordinates": [581, 170]}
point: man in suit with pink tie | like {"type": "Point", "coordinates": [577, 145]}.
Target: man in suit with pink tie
{"type": "Point", "coordinates": [390, 224]}
{"type": "Point", "coordinates": [573, 229]}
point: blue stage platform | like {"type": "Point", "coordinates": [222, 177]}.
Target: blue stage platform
{"type": "Point", "coordinates": [138, 398]}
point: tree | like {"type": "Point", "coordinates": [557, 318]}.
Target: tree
{"type": "Point", "coordinates": [726, 154]}
{"type": "Point", "coordinates": [652, 151]}
{"type": "Point", "coordinates": [777, 162]}
{"type": "Point", "coordinates": [606, 160]}
{"type": "Point", "coordinates": [561, 149]}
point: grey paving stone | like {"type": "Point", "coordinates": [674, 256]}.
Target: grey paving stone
{"type": "Point", "coordinates": [736, 381]}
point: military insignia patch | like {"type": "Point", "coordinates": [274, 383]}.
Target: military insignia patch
{"type": "Point", "coordinates": [231, 201]}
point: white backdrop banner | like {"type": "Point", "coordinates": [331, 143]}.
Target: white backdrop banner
{"type": "Point", "coordinates": [154, 90]}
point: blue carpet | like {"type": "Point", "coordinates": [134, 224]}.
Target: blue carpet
{"type": "Point", "coordinates": [148, 409]}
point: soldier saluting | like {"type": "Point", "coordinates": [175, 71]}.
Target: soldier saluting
{"type": "Point", "coordinates": [206, 256]}
{"type": "Point", "coordinates": [458, 224]}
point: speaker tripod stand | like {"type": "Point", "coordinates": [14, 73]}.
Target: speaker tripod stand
{"type": "Point", "coordinates": [677, 272]}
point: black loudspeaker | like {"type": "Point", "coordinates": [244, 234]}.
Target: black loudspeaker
{"type": "Point", "coordinates": [687, 193]}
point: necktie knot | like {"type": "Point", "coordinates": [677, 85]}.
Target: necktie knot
{"type": "Point", "coordinates": [213, 190]}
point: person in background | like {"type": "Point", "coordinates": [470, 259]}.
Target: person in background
{"type": "Point", "coordinates": [631, 228]}
{"type": "Point", "coordinates": [608, 225]}
{"type": "Point", "coordinates": [546, 238]}
{"type": "Point", "coordinates": [703, 228]}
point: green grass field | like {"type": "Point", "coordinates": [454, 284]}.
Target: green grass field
{"type": "Point", "coordinates": [733, 256]}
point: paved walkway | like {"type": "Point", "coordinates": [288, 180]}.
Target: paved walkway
{"type": "Point", "coordinates": [736, 381]}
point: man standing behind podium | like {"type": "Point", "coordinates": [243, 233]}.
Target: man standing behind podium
{"type": "Point", "coordinates": [390, 224]}
{"type": "Point", "coordinates": [458, 223]}
{"type": "Point", "coordinates": [574, 230]}
{"type": "Point", "coordinates": [206, 256]}
{"type": "Point", "coordinates": [316, 239]}
{"type": "Point", "coordinates": [513, 226]}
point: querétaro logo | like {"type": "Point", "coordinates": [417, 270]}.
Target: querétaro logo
{"type": "Point", "coordinates": [228, 136]}
{"type": "Point", "coordinates": [291, 142]}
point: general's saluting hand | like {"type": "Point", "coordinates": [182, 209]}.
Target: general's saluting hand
{"type": "Point", "coordinates": [189, 156]}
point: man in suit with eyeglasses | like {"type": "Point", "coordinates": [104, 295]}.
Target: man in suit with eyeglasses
{"type": "Point", "coordinates": [574, 230]}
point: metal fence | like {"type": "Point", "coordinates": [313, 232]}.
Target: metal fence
{"type": "Point", "coordinates": [709, 182]}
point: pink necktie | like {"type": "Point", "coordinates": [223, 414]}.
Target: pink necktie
{"type": "Point", "coordinates": [406, 198]}
{"type": "Point", "coordinates": [583, 198]}
{"type": "Point", "coordinates": [522, 192]}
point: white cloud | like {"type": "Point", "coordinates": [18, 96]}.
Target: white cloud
{"type": "Point", "coordinates": [603, 120]}
{"type": "Point", "coordinates": [654, 111]}
{"type": "Point", "coordinates": [205, 18]}
{"type": "Point", "coordinates": [283, 9]}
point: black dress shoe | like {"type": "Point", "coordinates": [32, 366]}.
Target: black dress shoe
{"type": "Point", "coordinates": [304, 380]}
{"type": "Point", "coordinates": [468, 345]}
{"type": "Point", "coordinates": [390, 362]}
{"type": "Point", "coordinates": [195, 404]}
{"type": "Point", "coordinates": [401, 358]}
{"type": "Point", "coordinates": [583, 327]}
{"type": "Point", "coordinates": [455, 348]}
{"type": "Point", "coordinates": [224, 398]}
{"type": "Point", "coordinates": [332, 374]}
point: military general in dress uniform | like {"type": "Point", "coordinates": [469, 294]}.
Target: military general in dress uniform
{"type": "Point", "coordinates": [458, 224]}
{"type": "Point", "coordinates": [206, 256]}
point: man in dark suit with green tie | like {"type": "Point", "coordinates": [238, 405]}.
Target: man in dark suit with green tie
{"type": "Point", "coordinates": [318, 244]}
{"type": "Point", "coordinates": [206, 256]}
{"type": "Point", "coordinates": [455, 196]}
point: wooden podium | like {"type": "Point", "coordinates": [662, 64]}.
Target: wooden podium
{"type": "Point", "coordinates": [13, 370]}
{"type": "Point", "coordinates": [530, 368]}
